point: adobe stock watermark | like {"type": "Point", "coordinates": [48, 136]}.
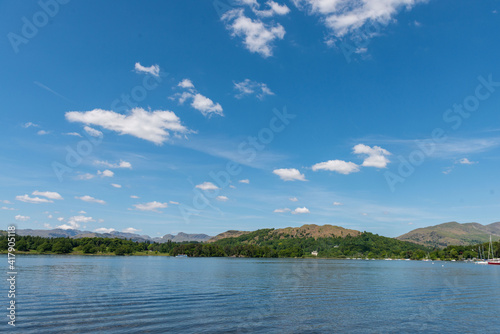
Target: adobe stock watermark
{"type": "Point", "coordinates": [75, 155]}
{"type": "Point", "coordinates": [248, 150]}
{"type": "Point", "coordinates": [31, 26]}
{"type": "Point", "coordinates": [454, 117]}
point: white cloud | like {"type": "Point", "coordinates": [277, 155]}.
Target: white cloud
{"type": "Point", "coordinates": [47, 225]}
{"type": "Point", "coordinates": [121, 164]}
{"type": "Point", "coordinates": [249, 87]}
{"type": "Point", "coordinates": [222, 198]}
{"type": "Point", "coordinates": [21, 218]}
{"type": "Point", "coordinates": [151, 206]}
{"type": "Point", "coordinates": [116, 185]}
{"type": "Point", "coordinates": [133, 196]}
{"type": "Point", "coordinates": [30, 124]}
{"type": "Point", "coordinates": [106, 173]}
{"type": "Point", "coordinates": [465, 161]}
{"type": "Point", "coordinates": [151, 126]}
{"type": "Point", "coordinates": [93, 132]}
{"type": "Point", "coordinates": [206, 106]}
{"type": "Point", "coordinates": [86, 176]}
{"type": "Point", "coordinates": [173, 202]}
{"type": "Point", "coordinates": [247, 181]}
{"type": "Point", "coordinates": [274, 9]}
{"type": "Point", "coordinates": [337, 203]}
{"type": "Point", "coordinates": [48, 194]}
{"type": "Point", "coordinates": [376, 155]}
{"type": "Point", "coordinates": [258, 37]}
{"type": "Point", "coordinates": [232, 187]}
{"type": "Point", "coordinates": [6, 208]}
{"type": "Point", "coordinates": [42, 132]}
{"type": "Point", "coordinates": [60, 219]}
{"type": "Point", "coordinates": [82, 212]}
{"type": "Point", "coordinates": [74, 222]}
{"type": "Point", "coordinates": [289, 174]}
{"type": "Point", "coordinates": [153, 69]}
{"type": "Point", "coordinates": [207, 186]}
{"type": "Point", "coordinates": [50, 216]}
{"type": "Point", "coordinates": [293, 199]}
{"type": "Point", "coordinates": [300, 210]}
{"type": "Point", "coordinates": [5, 201]}
{"type": "Point", "coordinates": [90, 199]}
{"type": "Point", "coordinates": [282, 210]}
{"type": "Point", "coordinates": [130, 230]}
{"type": "Point", "coordinates": [345, 16]}
{"type": "Point", "coordinates": [25, 198]}
{"type": "Point", "coordinates": [104, 230]}
{"type": "Point", "coordinates": [338, 166]}
{"type": "Point", "coordinates": [186, 83]}
{"type": "Point", "coordinates": [76, 134]}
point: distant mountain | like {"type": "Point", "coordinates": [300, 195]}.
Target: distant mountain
{"type": "Point", "coordinates": [305, 231]}
{"type": "Point", "coordinates": [59, 233]}
{"type": "Point", "coordinates": [452, 233]}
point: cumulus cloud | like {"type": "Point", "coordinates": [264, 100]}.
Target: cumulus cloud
{"type": "Point", "coordinates": [258, 37]}
{"type": "Point", "coordinates": [130, 230]}
{"type": "Point", "coordinates": [153, 69]}
{"type": "Point", "coordinates": [337, 203]}
{"type": "Point", "coordinates": [186, 83]}
{"type": "Point", "coordinates": [35, 200]}
{"type": "Point", "coordinates": [151, 206]}
{"type": "Point", "coordinates": [222, 198]}
{"type": "Point", "coordinates": [148, 125]}
{"type": "Point", "coordinates": [377, 156]}
{"type": "Point", "coordinates": [48, 194]}
{"type": "Point", "coordinates": [203, 104]}
{"type": "Point", "coordinates": [116, 185]}
{"type": "Point", "coordinates": [289, 174]}
{"type": "Point", "coordinates": [274, 8]}
{"type": "Point", "coordinates": [293, 199]}
{"type": "Point", "coordinates": [106, 173]}
{"type": "Point", "coordinates": [344, 16]}
{"type": "Point", "coordinates": [300, 210]}
{"type": "Point", "coordinates": [121, 164]}
{"type": "Point", "coordinates": [21, 218]}
{"type": "Point", "coordinates": [339, 166]}
{"type": "Point", "coordinates": [104, 230]}
{"type": "Point", "coordinates": [282, 210]}
{"type": "Point", "coordinates": [74, 222]}
{"type": "Point", "coordinates": [249, 87]}
{"type": "Point", "coordinates": [93, 132]}
{"type": "Point", "coordinates": [90, 199]}
{"type": "Point", "coordinates": [134, 196]}
{"type": "Point", "coordinates": [42, 132]}
{"type": "Point", "coordinates": [247, 181]}
{"type": "Point", "coordinates": [207, 186]}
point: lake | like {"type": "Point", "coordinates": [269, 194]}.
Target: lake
{"type": "Point", "coordinates": [141, 294]}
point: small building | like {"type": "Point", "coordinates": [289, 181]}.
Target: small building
{"type": "Point", "coordinates": [315, 253]}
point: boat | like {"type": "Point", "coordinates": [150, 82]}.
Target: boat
{"type": "Point", "coordinates": [181, 255]}
{"type": "Point", "coordinates": [492, 261]}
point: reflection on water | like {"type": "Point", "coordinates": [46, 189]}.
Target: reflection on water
{"type": "Point", "coordinates": [92, 294]}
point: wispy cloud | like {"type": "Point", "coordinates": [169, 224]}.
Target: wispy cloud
{"type": "Point", "coordinates": [90, 199]}
{"type": "Point", "coordinates": [151, 206]}
{"type": "Point", "coordinates": [34, 200]}
{"type": "Point", "coordinates": [249, 87]}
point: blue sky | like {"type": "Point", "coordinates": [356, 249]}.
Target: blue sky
{"type": "Point", "coordinates": [199, 116]}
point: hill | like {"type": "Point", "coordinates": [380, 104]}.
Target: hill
{"type": "Point", "coordinates": [452, 233]}
{"type": "Point", "coordinates": [77, 234]}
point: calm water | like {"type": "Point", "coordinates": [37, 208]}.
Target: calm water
{"type": "Point", "coordinates": [79, 294]}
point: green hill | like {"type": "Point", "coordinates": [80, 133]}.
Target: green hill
{"type": "Point", "coordinates": [452, 233]}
